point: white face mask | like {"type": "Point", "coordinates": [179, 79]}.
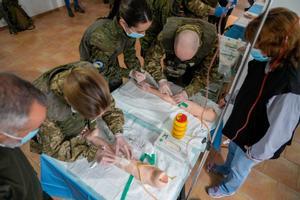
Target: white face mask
{"type": "Point", "coordinates": [21, 140]}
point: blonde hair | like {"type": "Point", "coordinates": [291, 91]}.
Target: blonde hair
{"type": "Point", "coordinates": [87, 91]}
{"type": "Point", "coordinates": [280, 35]}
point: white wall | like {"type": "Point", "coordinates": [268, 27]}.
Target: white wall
{"type": "Point", "coordinates": [293, 5]}
{"type": "Point", "coordinates": [35, 7]}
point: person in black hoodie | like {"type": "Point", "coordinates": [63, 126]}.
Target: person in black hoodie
{"type": "Point", "coordinates": [22, 110]}
{"type": "Point", "coordinates": [266, 109]}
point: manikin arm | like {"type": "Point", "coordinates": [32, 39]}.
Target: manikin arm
{"type": "Point", "coordinates": [145, 173]}
{"type": "Point", "coordinates": [193, 108]}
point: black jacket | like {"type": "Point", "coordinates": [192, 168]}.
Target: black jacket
{"type": "Point", "coordinates": [18, 180]}
{"type": "Point", "coordinates": [281, 81]}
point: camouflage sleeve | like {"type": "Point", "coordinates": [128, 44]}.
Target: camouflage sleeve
{"type": "Point", "coordinates": [154, 61]}
{"type": "Point", "coordinates": [199, 80]}
{"type": "Point", "coordinates": [56, 145]}
{"type": "Point", "coordinates": [198, 8]}
{"type": "Point", "coordinates": [101, 48]}
{"type": "Point", "coordinates": [114, 118]}
{"type": "Point", "coordinates": [131, 60]}
{"type": "Point", "coordinates": [165, 12]}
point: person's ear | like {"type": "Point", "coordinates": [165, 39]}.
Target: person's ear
{"type": "Point", "coordinates": [123, 23]}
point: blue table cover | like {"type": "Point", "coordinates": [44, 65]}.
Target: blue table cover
{"type": "Point", "coordinates": [236, 31]}
{"type": "Point", "coordinates": [59, 182]}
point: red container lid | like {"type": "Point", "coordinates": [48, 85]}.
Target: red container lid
{"type": "Point", "coordinates": [180, 117]}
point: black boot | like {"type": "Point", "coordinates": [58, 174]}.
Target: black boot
{"type": "Point", "coordinates": [70, 13]}
{"type": "Point", "coordinates": [78, 9]}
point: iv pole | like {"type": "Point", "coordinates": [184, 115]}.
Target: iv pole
{"type": "Point", "coordinates": [233, 87]}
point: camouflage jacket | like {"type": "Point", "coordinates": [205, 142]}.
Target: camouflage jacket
{"type": "Point", "coordinates": [59, 134]}
{"type": "Point", "coordinates": [104, 41]}
{"type": "Point", "coordinates": [194, 8]}
{"type": "Point", "coordinates": [198, 8]}
{"type": "Point", "coordinates": [161, 10]}
{"type": "Point", "coordinates": [161, 55]}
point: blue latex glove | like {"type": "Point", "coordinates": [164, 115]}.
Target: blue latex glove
{"type": "Point", "coordinates": [219, 11]}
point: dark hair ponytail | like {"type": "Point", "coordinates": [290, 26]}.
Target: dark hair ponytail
{"type": "Point", "coordinates": [132, 11]}
{"type": "Point", "coordinates": [114, 8]}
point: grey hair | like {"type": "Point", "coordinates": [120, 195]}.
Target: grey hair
{"type": "Point", "coordinates": [13, 122]}
{"type": "Point", "coordinates": [16, 97]}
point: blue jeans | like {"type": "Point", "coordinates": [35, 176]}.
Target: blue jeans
{"type": "Point", "coordinates": [67, 2]}
{"type": "Point", "coordinates": [237, 168]}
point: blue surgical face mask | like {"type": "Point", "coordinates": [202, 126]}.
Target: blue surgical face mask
{"type": "Point", "coordinates": [257, 55]}
{"type": "Point", "coordinates": [22, 141]}
{"type": "Point", "coordinates": [135, 35]}
{"type": "Point", "coordinates": [29, 136]}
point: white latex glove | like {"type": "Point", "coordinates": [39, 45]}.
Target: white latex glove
{"type": "Point", "coordinates": [144, 85]}
{"type": "Point", "coordinates": [137, 76]}
{"type": "Point", "coordinates": [105, 157]}
{"type": "Point", "coordinates": [122, 147]}
{"type": "Point", "coordinates": [169, 99]}
{"type": "Point", "coordinates": [92, 136]}
{"type": "Point", "coordinates": [164, 87]}
{"type": "Point", "coordinates": [181, 97]}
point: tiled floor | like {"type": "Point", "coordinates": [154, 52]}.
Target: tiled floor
{"type": "Point", "coordinates": [55, 41]}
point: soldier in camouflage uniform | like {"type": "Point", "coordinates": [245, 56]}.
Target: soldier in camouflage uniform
{"type": "Point", "coordinates": [161, 10]}
{"type": "Point", "coordinates": [102, 42]}
{"type": "Point", "coordinates": [111, 42]}
{"type": "Point", "coordinates": [59, 136]}
{"type": "Point", "coordinates": [162, 62]}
